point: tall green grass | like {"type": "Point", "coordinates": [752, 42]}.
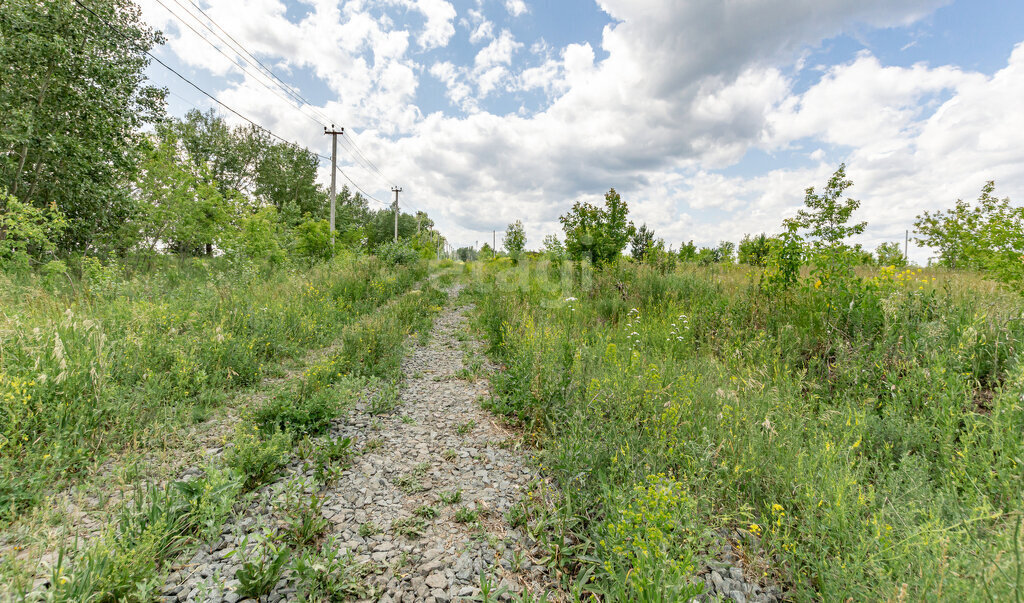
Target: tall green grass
{"type": "Point", "coordinates": [106, 362]}
{"type": "Point", "coordinates": [870, 446]}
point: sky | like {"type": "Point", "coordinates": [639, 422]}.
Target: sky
{"type": "Point", "coordinates": [709, 117]}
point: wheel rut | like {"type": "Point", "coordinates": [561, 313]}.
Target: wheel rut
{"type": "Point", "coordinates": [422, 510]}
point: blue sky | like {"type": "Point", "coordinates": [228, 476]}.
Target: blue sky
{"type": "Point", "coordinates": [710, 118]}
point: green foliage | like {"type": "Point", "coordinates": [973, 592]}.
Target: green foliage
{"type": "Point", "coordinates": [754, 251]}
{"type": "Point", "coordinates": [515, 240]}
{"type": "Point", "coordinates": [553, 247]}
{"type": "Point", "coordinates": [257, 456]}
{"type": "Point", "coordinates": [257, 577]}
{"type": "Point", "coordinates": [307, 411]}
{"type": "Point", "coordinates": [597, 234]}
{"type": "Point", "coordinates": [211, 498]}
{"type": "Point", "coordinates": [313, 239]}
{"type": "Point", "coordinates": [688, 252]}
{"type": "Point", "coordinates": [466, 254]}
{"type": "Point", "coordinates": [890, 254]}
{"type": "Point", "coordinates": [27, 233]}
{"type": "Point", "coordinates": [722, 254]}
{"type": "Point", "coordinates": [641, 242]}
{"type": "Point", "coordinates": [989, 236]}
{"type": "Point", "coordinates": [785, 257]}
{"type": "Point", "coordinates": [825, 220]}
{"type": "Point", "coordinates": [328, 574]}
{"type": "Point", "coordinates": [302, 514]}
{"type": "Point", "coordinates": [259, 237]}
{"type": "Point", "coordinates": [860, 449]}
{"type": "Point", "coordinates": [397, 254]}
{"type": "Point", "coordinates": [486, 253]}
{"type": "Point", "coordinates": [66, 145]}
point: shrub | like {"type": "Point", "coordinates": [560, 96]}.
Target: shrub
{"type": "Point", "coordinates": [300, 413]}
{"type": "Point", "coordinates": [256, 456]}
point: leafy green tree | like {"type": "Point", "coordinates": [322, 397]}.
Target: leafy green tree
{"type": "Point", "coordinates": [486, 252]}
{"type": "Point", "coordinates": [286, 179]}
{"type": "Point", "coordinates": [785, 257]}
{"type": "Point", "coordinates": [988, 236]}
{"type": "Point", "coordinates": [553, 247]}
{"type": "Point", "coordinates": [178, 207]}
{"type": "Point", "coordinates": [754, 251]}
{"type": "Point", "coordinates": [466, 254]}
{"type": "Point", "coordinates": [640, 243]}
{"type": "Point", "coordinates": [825, 219]}
{"type": "Point", "coordinates": [73, 100]}
{"type": "Point", "coordinates": [688, 252]}
{"type": "Point", "coordinates": [514, 240]}
{"type": "Point", "coordinates": [27, 233]}
{"type": "Point", "coordinates": [890, 254]}
{"type": "Point", "coordinates": [598, 234]}
{"type": "Point", "coordinates": [380, 227]}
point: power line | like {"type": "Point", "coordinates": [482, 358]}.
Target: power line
{"type": "Point", "coordinates": [234, 62]}
{"type": "Point", "coordinates": [302, 102]}
{"type": "Point", "coordinates": [213, 98]}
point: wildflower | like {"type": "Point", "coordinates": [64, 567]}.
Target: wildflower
{"type": "Point", "coordinates": [755, 529]}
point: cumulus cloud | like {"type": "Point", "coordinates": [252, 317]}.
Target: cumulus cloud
{"type": "Point", "coordinates": [681, 90]}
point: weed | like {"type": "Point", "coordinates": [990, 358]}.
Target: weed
{"type": "Point", "coordinates": [369, 529]}
{"type": "Point", "coordinates": [466, 427]}
{"type": "Point", "coordinates": [258, 576]}
{"type": "Point", "coordinates": [426, 512]}
{"type": "Point", "coordinates": [410, 527]}
{"type": "Point", "coordinates": [255, 456]}
{"type": "Point", "coordinates": [328, 575]}
{"type": "Point", "coordinates": [466, 515]}
{"type": "Point", "coordinates": [450, 497]}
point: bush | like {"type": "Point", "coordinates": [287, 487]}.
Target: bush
{"type": "Point", "coordinates": [255, 456]}
{"type": "Point", "coordinates": [397, 254]}
{"type": "Point", "coordinates": [307, 411]}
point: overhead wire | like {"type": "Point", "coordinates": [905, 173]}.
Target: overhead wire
{"type": "Point", "coordinates": [302, 102]}
{"type": "Point", "coordinates": [213, 98]}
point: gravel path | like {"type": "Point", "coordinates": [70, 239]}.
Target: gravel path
{"type": "Point", "coordinates": [435, 443]}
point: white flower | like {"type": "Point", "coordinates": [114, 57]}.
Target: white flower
{"type": "Point", "coordinates": [570, 299]}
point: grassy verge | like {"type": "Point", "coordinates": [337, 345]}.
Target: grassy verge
{"type": "Point", "coordinates": [129, 561]}
{"type": "Point", "coordinates": [108, 364]}
{"type": "Point", "coordinates": [868, 450]}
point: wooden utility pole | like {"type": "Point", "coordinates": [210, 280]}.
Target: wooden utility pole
{"type": "Point", "coordinates": [906, 247]}
{"type": "Point", "coordinates": [396, 190]}
{"type": "Point", "coordinates": [334, 171]}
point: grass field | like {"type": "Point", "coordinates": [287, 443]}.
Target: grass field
{"type": "Point", "coordinates": [865, 449]}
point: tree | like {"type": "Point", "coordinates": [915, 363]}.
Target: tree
{"type": "Point", "coordinates": [688, 252]}
{"type": "Point", "coordinates": [74, 98]}
{"type": "Point", "coordinates": [754, 250]}
{"type": "Point", "coordinates": [486, 252]}
{"type": "Point", "coordinates": [988, 236]}
{"type": "Point", "coordinates": [553, 247]}
{"type": "Point", "coordinates": [890, 254]}
{"type": "Point", "coordinates": [640, 243]}
{"type": "Point", "coordinates": [825, 218]}
{"type": "Point", "coordinates": [515, 240]}
{"type": "Point", "coordinates": [286, 179]}
{"type": "Point", "coordinates": [466, 254]}
{"type": "Point", "coordinates": [598, 234]}
{"type": "Point", "coordinates": [177, 205]}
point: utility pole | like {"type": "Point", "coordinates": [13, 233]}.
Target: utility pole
{"type": "Point", "coordinates": [334, 171]}
{"type": "Point", "coordinates": [396, 190]}
{"type": "Point", "coordinates": [494, 241]}
{"type": "Point", "coordinates": [906, 247]}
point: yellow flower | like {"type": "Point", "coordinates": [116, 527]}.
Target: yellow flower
{"type": "Point", "coordinates": [817, 284]}
{"type": "Point", "coordinates": [755, 529]}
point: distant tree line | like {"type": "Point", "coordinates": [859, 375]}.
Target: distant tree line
{"type": "Point", "coordinates": [988, 236]}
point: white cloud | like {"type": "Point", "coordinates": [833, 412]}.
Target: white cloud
{"type": "Point", "coordinates": [516, 7]}
{"type": "Point", "coordinates": [681, 90]}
